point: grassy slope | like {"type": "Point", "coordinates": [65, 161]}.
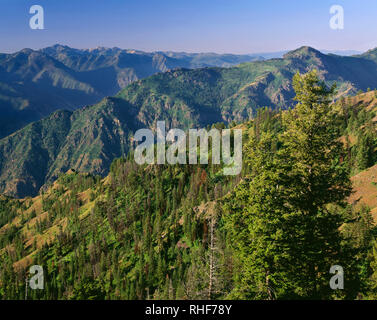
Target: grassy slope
{"type": "Point", "coordinates": [365, 182]}
{"type": "Point", "coordinates": [364, 185]}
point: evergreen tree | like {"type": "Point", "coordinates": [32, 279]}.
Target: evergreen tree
{"type": "Point", "coordinates": [285, 233]}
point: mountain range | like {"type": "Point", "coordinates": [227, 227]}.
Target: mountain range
{"type": "Point", "coordinates": [90, 138]}
{"type": "Point", "coordinates": [146, 232]}
{"type": "Point", "coordinates": [33, 84]}
{"type": "Point", "coordinates": [103, 227]}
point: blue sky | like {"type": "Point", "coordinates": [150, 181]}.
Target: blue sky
{"type": "Point", "coordinates": [233, 26]}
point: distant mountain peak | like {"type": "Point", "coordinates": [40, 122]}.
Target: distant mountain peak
{"type": "Point", "coordinates": [304, 51]}
{"type": "Point", "coordinates": [58, 45]}
{"type": "Point", "coordinates": [370, 53]}
{"type": "Point", "coordinates": [26, 51]}
{"type": "Point", "coordinates": [372, 50]}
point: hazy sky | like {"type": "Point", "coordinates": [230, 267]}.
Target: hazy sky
{"type": "Point", "coordinates": [234, 26]}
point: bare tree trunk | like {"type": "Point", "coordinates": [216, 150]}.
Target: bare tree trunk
{"type": "Point", "coordinates": [269, 289]}
{"type": "Point", "coordinates": [26, 283]}
{"type": "Point", "coordinates": [211, 258]}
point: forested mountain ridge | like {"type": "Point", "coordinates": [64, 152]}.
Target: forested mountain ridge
{"type": "Point", "coordinates": [87, 139]}
{"type": "Point", "coordinates": [156, 231]}
{"type": "Point", "coordinates": [183, 98]}
{"type": "Point", "coordinates": [35, 83]}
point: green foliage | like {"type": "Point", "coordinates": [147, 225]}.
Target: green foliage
{"type": "Point", "coordinates": [188, 232]}
{"type": "Point", "coordinates": [138, 240]}
{"type": "Point", "coordinates": [89, 139]}
{"type": "Point", "coordinates": [283, 230]}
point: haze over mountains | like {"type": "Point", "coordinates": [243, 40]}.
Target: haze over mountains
{"type": "Point", "coordinates": [89, 138]}
{"type": "Point", "coordinates": [33, 84]}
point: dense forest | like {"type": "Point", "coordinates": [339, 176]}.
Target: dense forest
{"type": "Point", "coordinates": [189, 232]}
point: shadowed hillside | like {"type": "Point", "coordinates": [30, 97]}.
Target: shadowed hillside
{"type": "Point", "coordinates": [33, 84]}
{"type": "Point", "coordinates": [90, 138]}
